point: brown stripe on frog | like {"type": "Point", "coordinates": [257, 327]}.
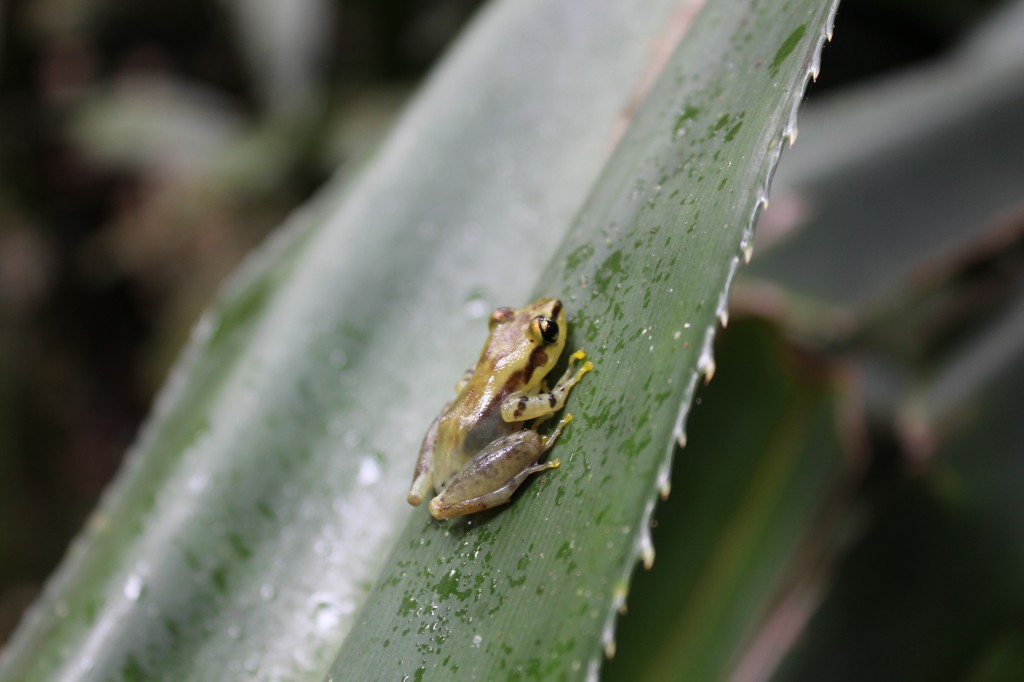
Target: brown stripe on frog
{"type": "Point", "coordinates": [557, 308]}
{"type": "Point", "coordinates": [538, 358]}
{"type": "Point", "coordinates": [520, 407]}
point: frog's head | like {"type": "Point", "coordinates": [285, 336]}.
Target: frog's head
{"type": "Point", "coordinates": [526, 343]}
{"type": "Point", "coordinates": [547, 325]}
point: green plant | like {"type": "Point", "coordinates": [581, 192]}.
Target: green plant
{"type": "Point", "coordinates": [259, 529]}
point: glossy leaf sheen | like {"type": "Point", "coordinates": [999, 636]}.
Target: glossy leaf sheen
{"type": "Point", "coordinates": [262, 497]}
{"type": "Point", "coordinates": [531, 591]}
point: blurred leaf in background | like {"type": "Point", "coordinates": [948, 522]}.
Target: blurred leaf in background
{"type": "Point", "coordinates": [144, 149]}
{"type": "Point", "coordinates": [896, 250]}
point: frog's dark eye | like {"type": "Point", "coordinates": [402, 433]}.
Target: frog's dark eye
{"type": "Point", "coordinates": [500, 316]}
{"type": "Point", "coordinates": [546, 328]}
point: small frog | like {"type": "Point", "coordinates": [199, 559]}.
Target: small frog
{"type": "Point", "coordinates": [478, 450]}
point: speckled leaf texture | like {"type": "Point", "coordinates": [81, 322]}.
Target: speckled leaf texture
{"type": "Point", "coordinates": [532, 592]}
{"type": "Point", "coordinates": [259, 529]}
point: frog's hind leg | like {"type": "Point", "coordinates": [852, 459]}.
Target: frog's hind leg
{"type": "Point", "coordinates": [422, 477]}
{"type": "Point", "coordinates": [490, 478]}
{"type": "Point", "coordinates": [548, 441]}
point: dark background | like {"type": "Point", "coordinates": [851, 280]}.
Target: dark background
{"type": "Point", "coordinates": [110, 248]}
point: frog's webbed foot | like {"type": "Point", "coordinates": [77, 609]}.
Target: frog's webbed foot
{"type": "Point", "coordinates": [521, 406]}
{"type": "Point", "coordinates": [489, 479]}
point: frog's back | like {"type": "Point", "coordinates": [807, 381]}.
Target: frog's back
{"type": "Point", "coordinates": [471, 425]}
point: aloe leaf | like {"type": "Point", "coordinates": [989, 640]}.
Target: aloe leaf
{"type": "Point", "coordinates": [532, 591]}
{"type": "Point", "coordinates": [266, 489]}
{"type": "Point", "coordinates": [261, 499]}
{"type": "Point", "coordinates": [758, 501]}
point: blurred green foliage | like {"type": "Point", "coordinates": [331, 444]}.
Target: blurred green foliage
{"type": "Point", "coordinates": [143, 153]}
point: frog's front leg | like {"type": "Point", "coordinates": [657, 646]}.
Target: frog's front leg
{"type": "Point", "coordinates": [422, 477]}
{"type": "Point", "coordinates": [489, 479]}
{"type": "Point", "coordinates": [520, 406]}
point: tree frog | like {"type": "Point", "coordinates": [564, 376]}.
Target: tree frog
{"type": "Point", "coordinates": [479, 450]}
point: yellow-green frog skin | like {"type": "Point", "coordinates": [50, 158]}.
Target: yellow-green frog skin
{"type": "Point", "coordinates": [479, 449]}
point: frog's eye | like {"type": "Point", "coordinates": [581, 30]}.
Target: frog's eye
{"type": "Point", "coordinates": [545, 328]}
{"type": "Point", "coordinates": [500, 316]}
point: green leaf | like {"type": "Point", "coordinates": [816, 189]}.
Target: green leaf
{"type": "Point", "coordinates": [264, 493]}
{"type": "Point", "coordinates": [265, 497]}
{"type": "Point", "coordinates": [758, 502]}
{"type": "Point", "coordinates": [532, 591]}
